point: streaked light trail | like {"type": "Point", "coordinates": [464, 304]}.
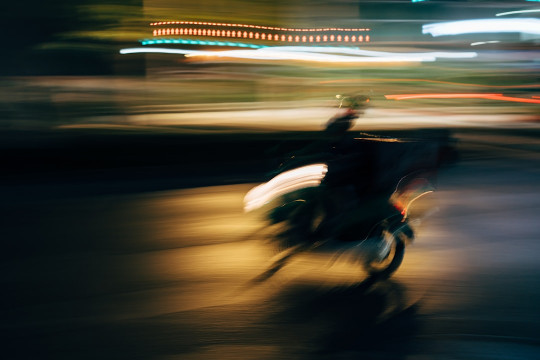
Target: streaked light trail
{"type": "Point", "coordinates": [316, 54]}
{"type": "Point", "coordinates": [271, 37]}
{"type": "Point", "coordinates": [292, 180]}
{"type": "Point", "coordinates": [160, 23]}
{"type": "Point", "coordinates": [521, 86]}
{"type": "Point", "coordinates": [500, 97]}
{"type": "Point", "coordinates": [260, 33]}
{"type": "Point", "coordinates": [200, 42]}
{"type": "Point", "coordinates": [270, 54]}
{"type": "Point", "coordinates": [517, 12]}
{"type": "Point", "coordinates": [485, 42]}
{"type": "Point", "coordinates": [360, 52]}
{"type": "Point", "coordinates": [521, 25]}
{"type": "Point", "coordinates": [159, 51]}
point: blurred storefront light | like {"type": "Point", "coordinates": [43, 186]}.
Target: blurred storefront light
{"type": "Point", "coordinates": [259, 32]}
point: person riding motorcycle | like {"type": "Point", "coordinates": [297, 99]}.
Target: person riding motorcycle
{"type": "Point", "coordinates": [348, 191]}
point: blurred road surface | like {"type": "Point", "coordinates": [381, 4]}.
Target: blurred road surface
{"type": "Point", "coordinates": [309, 116]}
{"type": "Point", "coordinates": [178, 274]}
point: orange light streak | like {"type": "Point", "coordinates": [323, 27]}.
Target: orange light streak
{"type": "Point", "coordinates": [435, 82]}
{"type": "Point", "coordinates": [500, 97]}
{"type": "Point", "coordinates": [439, 96]}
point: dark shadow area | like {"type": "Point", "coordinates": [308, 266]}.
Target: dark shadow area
{"type": "Point", "coordinates": [86, 162]}
{"type": "Point", "coordinates": [373, 320]}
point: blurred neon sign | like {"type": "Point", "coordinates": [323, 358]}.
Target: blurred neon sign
{"type": "Point", "coordinates": [251, 26]}
{"type": "Point", "coordinates": [260, 33]}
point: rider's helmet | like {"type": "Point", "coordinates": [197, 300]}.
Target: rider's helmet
{"type": "Point", "coordinates": [353, 101]}
{"type": "Point", "coordinates": [352, 107]}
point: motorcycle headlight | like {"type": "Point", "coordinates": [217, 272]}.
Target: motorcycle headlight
{"type": "Point", "coordinates": [288, 181]}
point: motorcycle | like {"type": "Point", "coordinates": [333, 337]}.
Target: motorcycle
{"type": "Point", "coordinates": [353, 195]}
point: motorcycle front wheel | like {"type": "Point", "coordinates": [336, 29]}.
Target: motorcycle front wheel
{"type": "Point", "coordinates": [389, 256]}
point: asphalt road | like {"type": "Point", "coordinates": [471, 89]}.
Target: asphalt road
{"type": "Point", "coordinates": [183, 274]}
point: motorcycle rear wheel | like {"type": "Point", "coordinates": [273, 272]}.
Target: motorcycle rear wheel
{"type": "Point", "coordinates": [384, 266]}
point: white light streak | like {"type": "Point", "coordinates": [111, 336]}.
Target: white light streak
{"type": "Point", "coordinates": [520, 25]}
{"type": "Point", "coordinates": [292, 180]}
{"type": "Point", "coordinates": [359, 52]}
{"type": "Point", "coordinates": [159, 51]}
{"type": "Point", "coordinates": [308, 53]}
{"type": "Point", "coordinates": [485, 42]}
{"type": "Point", "coordinates": [517, 12]}
{"type": "Point", "coordinates": [282, 54]}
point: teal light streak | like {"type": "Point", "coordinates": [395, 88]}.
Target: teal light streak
{"type": "Point", "coordinates": [518, 12]}
{"type": "Point", "coordinates": [200, 42]}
